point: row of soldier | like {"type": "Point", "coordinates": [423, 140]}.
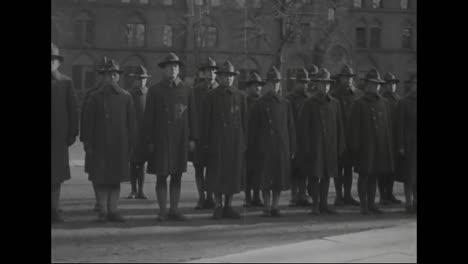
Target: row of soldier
{"type": "Point", "coordinates": [253, 141]}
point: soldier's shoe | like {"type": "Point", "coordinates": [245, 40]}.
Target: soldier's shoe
{"type": "Point", "coordinates": [115, 217]}
{"type": "Point", "coordinates": [394, 200]}
{"type": "Point", "coordinates": [304, 203]}
{"type": "Point", "coordinates": [218, 212]}
{"type": "Point", "coordinates": [229, 212]}
{"type": "Point", "coordinates": [132, 196]}
{"type": "Point", "coordinates": [351, 201]}
{"type": "Point", "coordinates": [257, 203]}
{"type": "Point", "coordinates": [275, 212]}
{"type": "Point", "coordinates": [339, 202]}
{"type": "Point", "coordinates": [200, 204]}
{"type": "Point", "coordinates": [209, 204]}
{"type": "Point", "coordinates": [328, 210]}
{"type": "Point", "coordinates": [162, 216]}
{"type": "Point", "coordinates": [102, 218]}
{"type": "Point", "coordinates": [141, 196]}
{"type": "Point", "coordinates": [266, 213]}
{"type": "Point", "coordinates": [177, 216]}
{"type": "Point", "coordinates": [375, 210]}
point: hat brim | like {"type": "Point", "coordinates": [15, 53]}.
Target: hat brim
{"type": "Point", "coordinates": [226, 72]}
{"type": "Point", "coordinates": [374, 80]}
{"type": "Point", "coordinates": [140, 76]}
{"type": "Point", "coordinates": [164, 63]}
{"type": "Point", "coordinates": [58, 57]}
{"type": "Point", "coordinates": [202, 68]}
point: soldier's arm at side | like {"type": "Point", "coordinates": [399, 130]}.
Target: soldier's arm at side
{"type": "Point", "coordinates": [72, 109]}
{"type": "Point", "coordinates": [193, 118]}
{"type": "Point", "coordinates": [149, 120]}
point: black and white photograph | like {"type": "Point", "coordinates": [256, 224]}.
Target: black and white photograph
{"type": "Point", "coordinates": [234, 131]}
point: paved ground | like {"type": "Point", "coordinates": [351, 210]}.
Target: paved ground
{"type": "Point", "coordinates": [142, 239]}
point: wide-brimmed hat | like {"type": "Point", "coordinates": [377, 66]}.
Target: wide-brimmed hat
{"type": "Point", "coordinates": [390, 78]}
{"type": "Point", "coordinates": [323, 75]}
{"type": "Point", "coordinates": [140, 72]}
{"type": "Point", "coordinates": [208, 64]}
{"type": "Point", "coordinates": [255, 78]}
{"type": "Point", "coordinates": [112, 66]}
{"type": "Point", "coordinates": [169, 59]}
{"type": "Point", "coordinates": [413, 79]}
{"type": "Point", "coordinates": [56, 53]}
{"type": "Point", "coordinates": [273, 74]}
{"type": "Point", "coordinates": [373, 76]}
{"type": "Point", "coordinates": [346, 71]}
{"type": "Point", "coordinates": [313, 70]}
{"type": "Point", "coordinates": [100, 68]}
{"type": "Point", "coordinates": [301, 75]}
{"type": "Point", "coordinates": [227, 68]}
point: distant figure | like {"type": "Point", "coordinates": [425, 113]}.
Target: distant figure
{"type": "Point", "coordinates": [64, 121]}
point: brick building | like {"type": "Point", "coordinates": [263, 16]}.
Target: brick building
{"type": "Point", "coordinates": [364, 33]}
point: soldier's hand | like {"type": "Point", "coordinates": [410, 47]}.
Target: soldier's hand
{"type": "Point", "coordinates": [192, 145]}
{"type": "Point", "coordinates": [151, 148]}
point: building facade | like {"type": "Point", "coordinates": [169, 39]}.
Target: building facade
{"type": "Point", "coordinates": [253, 34]}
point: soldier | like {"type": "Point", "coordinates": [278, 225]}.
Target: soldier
{"type": "Point", "coordinates": [208, 69]}
{"type": "Point", "coordinates": [170, 130]}
{"type": "Point", "coordinates": [139, 155]}
{"type": "Point", "coordinates": [407, 142]}
{"type": "Point", "coordinates": [313, 71]}
{"type": "Point", "coordinates": [388, 91]}
{"type": "Point", "coordinates": [272, 142]}
{"type": "Point", "coordinates": [224, 141]}
{"type": "Point", "coordinates": [371, 141]}
{"type": "Point", "coordinates": [109, 127]}
{"type": "Point", "coordinates": [100, 73]}
{"type": "Point", "coordinates": [322, 141]}
{"type": "Point", "coordinates": [64, 116]}
{"type": "Point", "coordinates": [298, 179]}
{"type": "Point", "coordinates": [346, 94]}
{"type": "Point", "coordinates": [254, 87]}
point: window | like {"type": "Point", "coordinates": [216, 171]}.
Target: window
{"type": "Point", "coordinates": [406, 36]}
{"type": "Point", "coordinates": [305, 32]}
{"type": "Point", "coordinates": [404, 4]}
{"type": "Point", "coordinates": [331, 14]}
{"type": "Point", "coordinates": [257, 3]}
{"type": "Point", "coordinates": [361, 39]}
{"type": "Point", "coordinates": [375, 37]}
{"type": "Point", "coordinates": [206, 36]}
{"type": "Point", "coordinates": [167, 36]}
{"type": "Point", "coordinates": [199, 2]}
{"type": "Point", "coordinates": [377, 4]}
{"type": "Point", "coordinates": [215, 2]}
{"type": "Point", "coordinates": [135, 34]}
{"type": "Point", "coordinates": [167, 2]}
{"type": "Point", "coordinates": [84, 29]}
{"type": "Point", "coordinates": [357, 3]}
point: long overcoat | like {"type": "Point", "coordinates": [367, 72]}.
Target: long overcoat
{"type": "Point", "coordinates": [322, 136]}
{"type": "Point", "coordinates": [371, 135]}
{"type": "Point", "coordinates": [169, 123]}
{"type": "Point", "coordinates": [224, 139]}
{"type": "Point", "coordinates": [393, 99]}
{"type": "Point", "coordinates": [297, 99]}
{"type": "Point", "coordinates": [251, 99]}
{"type": "Point", "coordinates": [272, 140]}
{"type": "Point", "coordinates": [346, 96]}
{"type": "Point", "coordinates": [199, 93]}
{"type": "Point", "coordinates": [109, 133]}
{"type": "Point", "coordinates": [407, 134]}
{"type": "Point", "coordinates": [64, 125]}
{"type": "Point", "coordinates": [86, 97]}
{"type": "Point", "coordinates": [140, 150]}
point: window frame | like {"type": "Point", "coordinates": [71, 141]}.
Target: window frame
{"type": "Point", "coordinates": [364, 41]}
{"type": "Point", "coordinates": [371, 37]}
{"type": "Point", "coordinates": [409, 38]}
{"type": "Point", "coordinates": [128, 42]}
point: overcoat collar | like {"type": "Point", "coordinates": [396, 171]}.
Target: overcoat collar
{"type": "Point", "coordinates": [274, 95]}
{"type": "Point", "coordinates": [323, 97]}
{"type": "Point", "coordinates": [372, 96]}
{"type": "Point", "coordinates": [177, 81]}
{"type": "Point", "coordinates": [113, 87]}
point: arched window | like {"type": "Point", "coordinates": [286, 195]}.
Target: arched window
{"type": "Point", "coordinates": [135, 32]}
{"type": "Point", "coordinates": [131, 64]}
{"type": "Point", "coordinates": [167, 36]}
{"type": "Point", "coordinates": [246, 67]}
{"type": "Point", "coordinates": [206, 36]}
{"type": "Point", "coordinates": [84, 29]}
{"type": "Point", "coordinates": [83, 75]}
{"type": "Point", "coordinates": [361, 34]}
